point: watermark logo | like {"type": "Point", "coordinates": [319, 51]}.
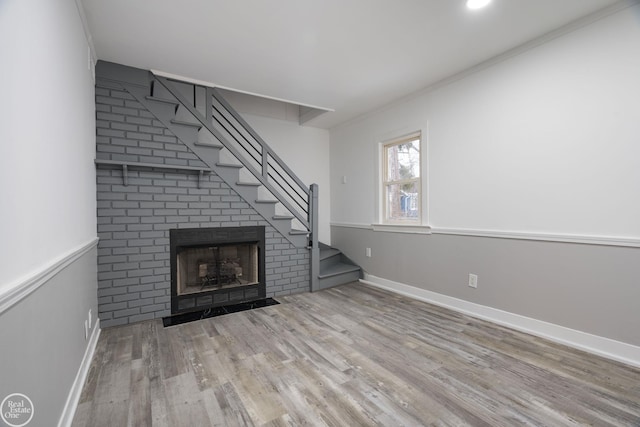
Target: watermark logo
{"type": "Point", "coordinates": [16, 410]}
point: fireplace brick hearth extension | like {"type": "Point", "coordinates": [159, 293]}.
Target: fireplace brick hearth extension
{"type": "Point", "coordinates": [134, 220]}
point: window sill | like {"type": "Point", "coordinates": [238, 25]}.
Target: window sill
{"type": "Point", "coordinates": [402, 228]}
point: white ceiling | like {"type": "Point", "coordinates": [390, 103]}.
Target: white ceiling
{"type": "Point", "coordinates": [351, 56]}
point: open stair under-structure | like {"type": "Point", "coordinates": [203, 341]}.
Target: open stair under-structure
{"type": "Point", "coordinates": [203, 120]}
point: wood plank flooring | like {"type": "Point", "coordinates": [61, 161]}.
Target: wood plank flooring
{"type": "Point", "coordinates": [349, 356]}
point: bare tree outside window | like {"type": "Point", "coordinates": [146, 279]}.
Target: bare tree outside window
{"type": "Point", "coordinates": [401, 180]}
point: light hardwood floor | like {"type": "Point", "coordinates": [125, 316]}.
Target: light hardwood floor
{"type": "Point", "coordinates": [349, 356]}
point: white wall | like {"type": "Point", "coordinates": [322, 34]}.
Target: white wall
{"type": "Point", "coordinates": [48, 277]}
{"type": "Point", "coordinates": [544, 142]}
{"type": "Point", "coordinates": [544, 145]}
{"type": "Point", "coordinates": [306, 151]}
{"type": "Point", "coordinates": [47, 140]}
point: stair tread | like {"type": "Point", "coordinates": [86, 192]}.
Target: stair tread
{"type": "Point", "coordinates": [339, 268]}
{"type": "Point", "coordinates": [165, 100]}
{"type": "Point", "coordinates": [267, 201]}
{"type": "Point", "coordinates": [183, 123]}
{"type": "Point", "coordinates": [229, 165]}
{"type": "Point", "coordinates": [202, 144]}
{"type": "Point", "coordinates": [298, 232]}
{"type": "Point", "coordinates": [249, 184]}
{"type": "Point", "coordinates": [282, 217]}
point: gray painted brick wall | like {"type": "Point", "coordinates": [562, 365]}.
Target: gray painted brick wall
{"type": "Point", "coordinates": [134, 220]}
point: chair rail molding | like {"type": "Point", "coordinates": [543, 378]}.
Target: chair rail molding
{"type": "Point", "coordinates": [548, 237]}
{"type": "Point", "coordinates": [629, 242]}
{"type": "Point", "coordinates": [20, 289]}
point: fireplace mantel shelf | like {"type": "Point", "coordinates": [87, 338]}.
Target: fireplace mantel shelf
{"type": "Point", "coordinates": [126, 165]}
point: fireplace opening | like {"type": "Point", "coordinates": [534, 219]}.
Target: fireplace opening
{"type": "Point", "coordinates": [212, 267]}
{"type": "Point", "coordinates": [217, 267]}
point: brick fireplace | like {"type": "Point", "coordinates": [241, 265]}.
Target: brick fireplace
{"type": "Point", "coordinates": [134, 220]}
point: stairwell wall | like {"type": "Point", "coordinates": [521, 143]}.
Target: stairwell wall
{"type": "Point", "coordinates": [134, 220]}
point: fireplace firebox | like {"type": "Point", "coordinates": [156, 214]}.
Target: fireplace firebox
{"type": "Point", "coordinates": [212, 267]}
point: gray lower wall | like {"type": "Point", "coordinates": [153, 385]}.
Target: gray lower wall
{"type": "Point", "coordinates": [589, 288]}
{"type": "Point", "coordinates": [134, 220]}
{"type": "Point", "coordinates": [43, 340]}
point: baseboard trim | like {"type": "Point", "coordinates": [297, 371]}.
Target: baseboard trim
{"type": "Point", "coordinates": [19, 290]}
{"type": "Point", "coordinates": [76, 388]}
{"type": "Point", "coordinates": [601, 346]}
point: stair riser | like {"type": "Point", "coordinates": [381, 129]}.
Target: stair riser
{"type": "Point", "coordinates": [327, 262]}
{"type": "Point", "coordinates": [282, 222]}
{"type": "Point", "coordinates": [339, 279]}
{"type": "Point", "coordinates": [183, 115]}
{"type": "Point", "coordinates": [163, 109]}
{"type": "Point", "coordinates": [159, 91]}
{"type": "Point", "coordinates": [205, 137]}
{"type": "Point", "coordinates": [247, 193]}
{"type": "Point", "coordinates": [299, 241]}
{"type": "Point", "coordinates": [187, 134]}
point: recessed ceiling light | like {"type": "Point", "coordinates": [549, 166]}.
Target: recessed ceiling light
{"type": "Point", "coordinates": [477, 4]}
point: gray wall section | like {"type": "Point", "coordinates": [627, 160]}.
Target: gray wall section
{"type": "Point", "coordinates": [44, 366]}
{"type": "Point", "coordinates": [589, 288]}
{"type": "Point", "coordinates": [134, 220]}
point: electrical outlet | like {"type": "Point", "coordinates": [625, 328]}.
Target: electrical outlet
{"type": "Point", "coordinates": [90, 317]}
{"type": "Point", "coordinates": [473, 280]}
{"type": "Point", "coordinates": [367, 252]}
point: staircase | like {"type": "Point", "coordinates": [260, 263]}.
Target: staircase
{"type": "Point", "coordinates": [336, 268]}
{"type": "Point", "coordinates": [218, 135]}
{"type": "Point", "coordinates": [203, 120]}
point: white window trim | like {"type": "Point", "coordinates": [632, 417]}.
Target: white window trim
{"type": "Point", "coordinates": [408, 226]}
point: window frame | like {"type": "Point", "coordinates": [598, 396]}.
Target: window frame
{"type": "Point", "coordinates": [384, 218]}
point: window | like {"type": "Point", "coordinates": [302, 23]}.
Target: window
{"type": "Point", "coordinates": [401, 193]}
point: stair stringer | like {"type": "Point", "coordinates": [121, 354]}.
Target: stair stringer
{"type": "Point", "coordinates": [191, 134]}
